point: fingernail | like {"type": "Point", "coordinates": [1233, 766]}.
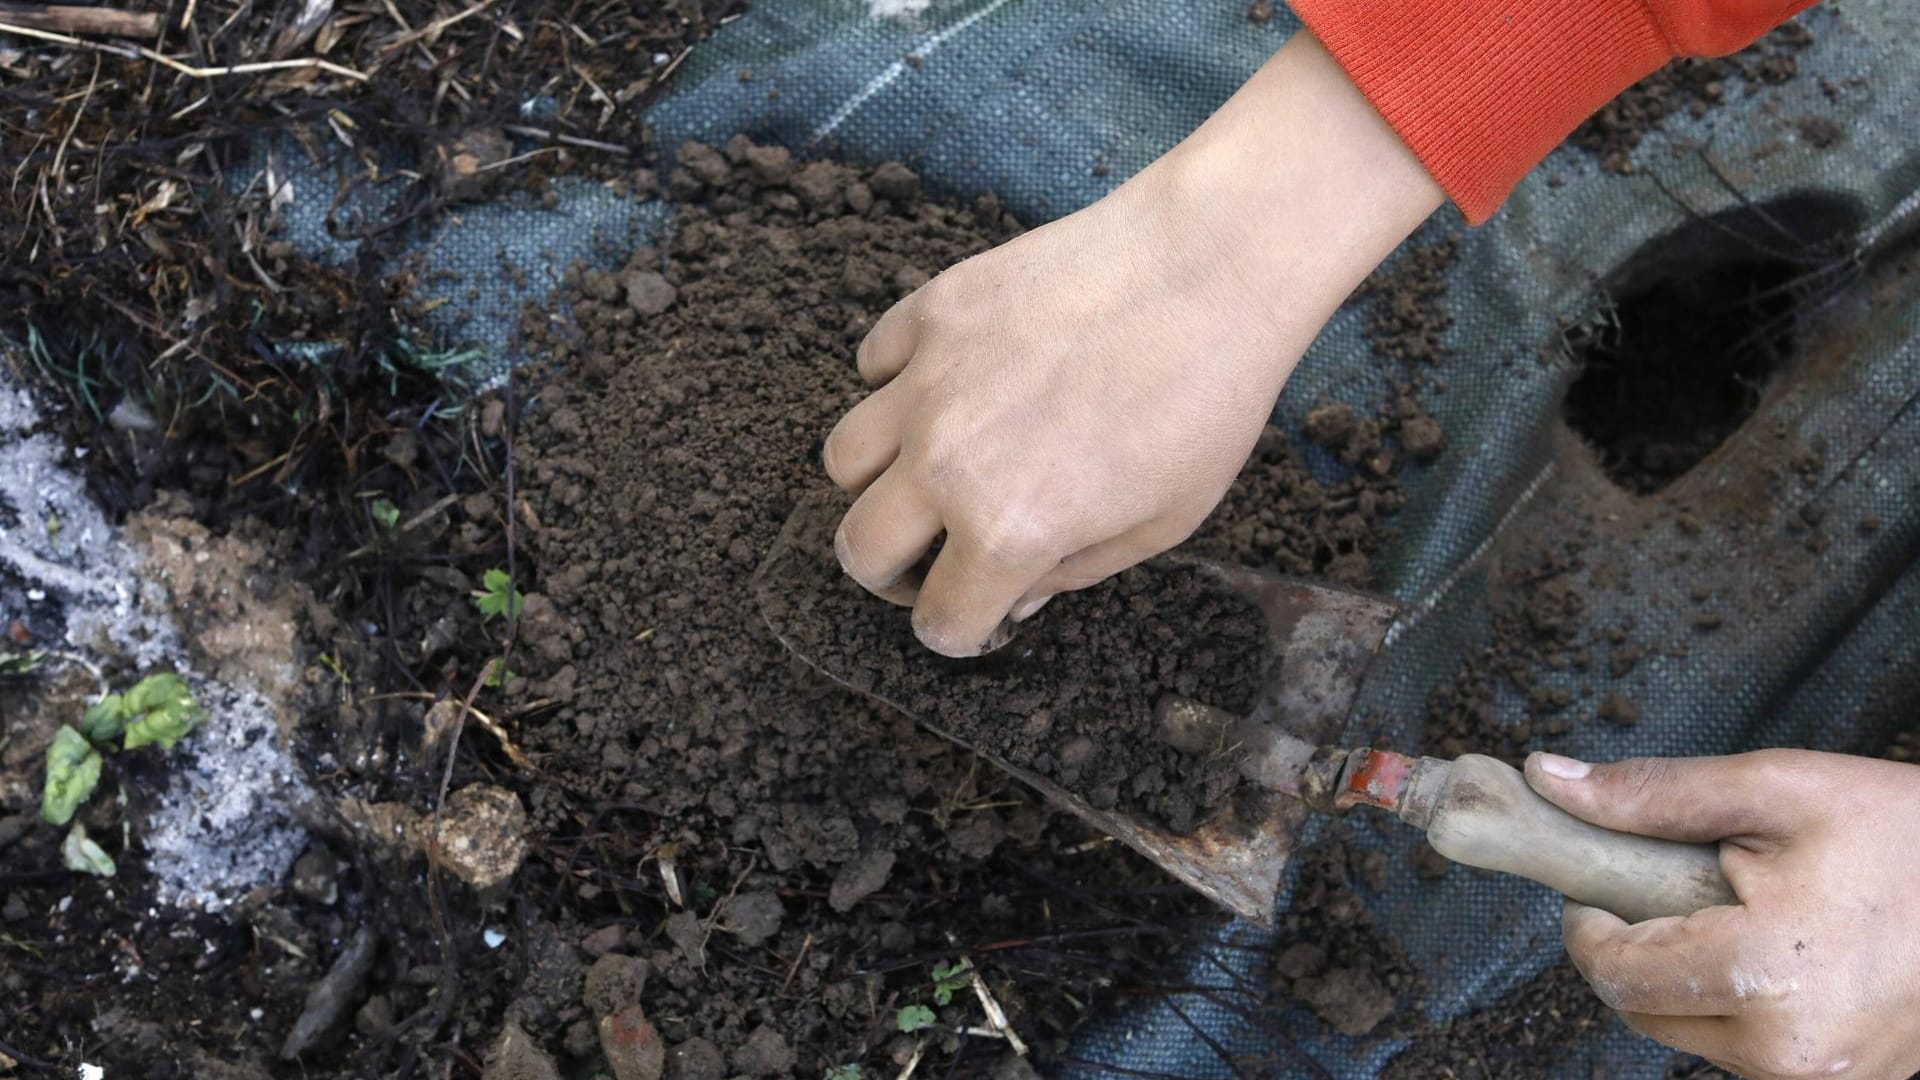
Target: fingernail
{"type": "Point", "coordinates": [1563, 768]}
{"type": "Point", "coordinates": [1030, 608]}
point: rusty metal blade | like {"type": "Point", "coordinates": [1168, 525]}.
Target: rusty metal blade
{"type": "Point", "coordinates": [1320, 636]}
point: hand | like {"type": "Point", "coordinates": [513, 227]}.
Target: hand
{"type": "Point", "coordinates": [1817, 971]}
{"type": "Point", "coordinates": [1078, 399]}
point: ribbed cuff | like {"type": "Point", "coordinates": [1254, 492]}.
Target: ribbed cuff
{"type": "Point", "coordinates": [1481, 90]}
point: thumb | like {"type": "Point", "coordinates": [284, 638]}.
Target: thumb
{"type": "Point", "coordinates": [1697, 800]}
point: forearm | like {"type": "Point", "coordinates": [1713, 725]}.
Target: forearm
{"type": "Point", "coordinates": [1294, 190]}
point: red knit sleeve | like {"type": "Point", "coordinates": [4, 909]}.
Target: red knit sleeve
{"type": "Point", "coordinates": [1481, 90]}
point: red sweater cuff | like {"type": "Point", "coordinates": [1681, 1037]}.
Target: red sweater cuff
{"type": "Point", "coordinates": [1481, 90]}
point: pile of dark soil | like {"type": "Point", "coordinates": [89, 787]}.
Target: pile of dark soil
{"type": "Point", "coordinates": [663, 466]}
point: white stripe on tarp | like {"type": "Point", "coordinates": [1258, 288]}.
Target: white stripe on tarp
{"type": "Point", "coordinates": [897, 68]}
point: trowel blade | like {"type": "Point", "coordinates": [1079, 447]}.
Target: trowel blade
{"type": "Point", "coordinates": [1320, 638]}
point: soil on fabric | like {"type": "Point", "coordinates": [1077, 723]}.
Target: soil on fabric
{"type": "Point", "coordinates": [1694, 86]}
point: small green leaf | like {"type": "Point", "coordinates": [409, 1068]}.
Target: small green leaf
{"type": "Point", "coordinates": [84, 856]}
{"type": "Point", "coordinates": [73, 771]}
{"type": "Point", "coordinates": [105, 718]}
{"type": "Point", "coordinates": [499, 674]}
{"type": "Point", "coordinates": [20, 663]}
{"type": "Point", "coordinates": [912, 1018]}
{"type": "Point", "coordinates": [161, 710]}
{"type": "Point", "coordinates": [844, 1072]}
{"type": "Point", "coordinates": [384, 512]}
{"type": "Point", "coordinates": [498, 597]}
{"type": "Point", "coordinates": [948, 978]}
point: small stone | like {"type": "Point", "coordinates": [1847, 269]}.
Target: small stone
{"type": "Point", "coordinates": [1300, 960]}
{"type": "Point", "coordinates": [753, 918]}
{"type": "Point", "coordinates": [645, 184]}
{"type": "Point", "coordinates": [894, 181]}
{"type": "Point", "coordinates": [614, 981]}
{"type": "Point", "coordinates": [859, 198]}
{"type": "Point", "coordinates": [695, 1059]}
{"type": "Point", "coordinates": [515, 1057]}
{"type": "Point", "coordinates": [315, 876]}
{"type": "Point", "coordinates": [859, 879]}
{"type": "Point", "coordinates": [632, 1046]}
{"type": "Point", "coordinates": [483, 835]}
{"type": "Point", "coordinates": [375, 1018]}
{"type": "Point", "coordinates": [764, 1053]}
{"type": "Point", "coordinates": [602, 941]}
{"type": "Point", "coordinates": [648, 293]}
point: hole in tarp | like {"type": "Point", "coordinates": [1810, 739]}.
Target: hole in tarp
{"type": "Point", "coordinates": [1702, 324]}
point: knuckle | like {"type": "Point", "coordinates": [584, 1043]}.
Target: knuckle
{"type": "Point", "coordinates": [1013, 531]}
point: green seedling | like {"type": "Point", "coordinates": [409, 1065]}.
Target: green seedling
{"type": "Point", "coordinates": [158, 710]}
{"type": "Point", "coordinates": [384, 512]}
{"type": "Point", "coordinates": [73, 771]}
{"type": "Point", "coordinates": [20, 663]}
{"type": "Point", "coordinates": [499, 597]}
{"type": "Point", "coordinates": [949, 979]}
{"type": "Point", "coordinates": [499, 674]}
{"type": "Point", "coordinates": [844, 1072]}
{"type": "Point", "coordinates": [82, 855]}
{"type": "Point", "coordinates": [912, 1018]}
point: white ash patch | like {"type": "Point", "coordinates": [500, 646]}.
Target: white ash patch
{"type": "Point", "coordinates": [222, 827]}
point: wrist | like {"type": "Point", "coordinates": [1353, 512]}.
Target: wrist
{"type": "Point", "coordinates": [1292, 192]}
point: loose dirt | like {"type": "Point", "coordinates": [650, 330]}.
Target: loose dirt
{"type": "Point", "coordinates": [1071, 697]}
{"type": "Point", "coordinates": [659, 472]}
{"type": "Point", "coordinates": [1695, 86]}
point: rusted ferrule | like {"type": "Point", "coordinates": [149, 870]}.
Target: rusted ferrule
{"type": "Point", "coordinates": [1372, 778]}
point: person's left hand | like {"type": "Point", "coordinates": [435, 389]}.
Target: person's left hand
{"type": "Point", "coordinates": [1816, 972]}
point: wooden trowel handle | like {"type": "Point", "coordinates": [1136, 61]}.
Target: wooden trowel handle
{"type": "Point", "coordinates": [1486, 815]}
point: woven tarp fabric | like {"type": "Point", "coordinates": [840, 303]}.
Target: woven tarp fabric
{"type": "Point", "coordinates": [1051, 103]}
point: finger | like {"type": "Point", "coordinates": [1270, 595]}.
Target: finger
{"type": "Point", "coordinates": [890, 344]}
{"type": "Point", "coordinates": [1743, 797]}
{"type": "Point", "coordinates": [1673, 966]}
{"type": "Point", "coordinates": [1710, 1037]}
{"type": "Point", "coordinates": [867, 440]}
{"type": "Point", "coordinates": [885, 533]}
{"type": "Point", "coordinates": [964, 604]}
{"type": "Point", "coordinates": [1089, 567]}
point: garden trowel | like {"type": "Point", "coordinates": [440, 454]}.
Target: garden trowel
{"type": "Point", "coordinates": [1321, 639]}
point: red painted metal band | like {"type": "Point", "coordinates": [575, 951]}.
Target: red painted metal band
{"type": "Point", "coordinates": [1375, 779]}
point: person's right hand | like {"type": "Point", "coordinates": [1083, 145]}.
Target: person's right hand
{"type": "Point", "coordinates": [1078, 399]}
{"type": "Point", "coordinates": [1816, 972]}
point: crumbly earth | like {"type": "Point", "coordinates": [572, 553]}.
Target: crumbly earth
{"type": "Point", "coordinates": [1071, 697]}
{"type": "Point", "coordinates": [664, 465]}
